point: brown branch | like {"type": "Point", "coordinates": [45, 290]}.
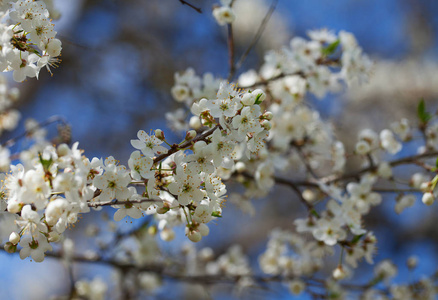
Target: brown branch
{"type": "Point", "coordinates": [257, 36]}
{"type": "Point", "coordinates": [51, 120]}
{"type": "Point", "coordinates": [187, 144]}
{"type": "Point", "coordinates": [405, 160]}
{"type": "Point", "coordinates": [266, 81]}
{"type": "Point", "coordinates": [133, 201]}
{"type": "Point", "coordinates": [230, 42]}
{"type": "Point", "coordinates": [183, 2]}
{"type": "Point", "coordinates": [159, 268]}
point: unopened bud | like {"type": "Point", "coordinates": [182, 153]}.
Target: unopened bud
{"type": "Point", "coordinates": [266, 124]}
{"type": "Point", "coordinates": [14, 207]}
{"type": "Point", "coordinates": [362, 148]}
{"type": "Point", "coordinates": [203, 229]}
{"type": "Point", "coordinates": [428, 198]}
{"type": "Point", "coordinates": [159, 134]}
{"type": "Point", "coordinates": [10, 248]}
{"type": "Point", "coordinates": [339, 273]}
{"type": "Point", "coordinates": [194, 235]}
{"type": "Point", "coordinates": [63, 150]}
{"type": "Point", "coordinates": [297, 286]}
{"type": "Point", "coordinates": [260, 96]}
{"type": "Point", "coordinates": [14, 238]}
{"type": "Point", "coordinates": [164, 209]}
{"type": "Point", "coordinates": [14, 93]}
{"type": "Point", "coordinates": [195, 122]}
{"type": "Point", "coordinates": [54, 237]}
{"type": "Point", "coordinates": [309, 195]}
{"type": "Point", "coordinates": [412, 262]}
{"type": "Point", "coordinates": [167, 234]}
{"type": "Point", "coordinates": [191, 134]}
{"type": "Point", "coordinates": [268, 116]}
{"type": "Point", "coordinates": [240, 167]}
{"type": "Point", "coordinates": [152, 230]}
{"type": "Point", "coordinates": [248, 99]}
{"type": "Point", "coordinates": [425, 186]}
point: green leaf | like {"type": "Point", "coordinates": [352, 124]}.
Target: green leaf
{"type": "Point", "coordinates": [356, 238]}
{"type": "Point", "coordinates": [331, 48]}
{"type": "Point", "coordinates": [436, 163]}
{"type": "Point", "coordinates": [216, 214]}
{"type": "Point", "coordinates": [45, 163]}
{"type": "Point", "coordinates": [423, 115]}
{"type": "Point", "coordinates": [257, 100]}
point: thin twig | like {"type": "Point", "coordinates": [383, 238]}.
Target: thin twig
{"type": "Point", "coordinates": [405, 160]}
{"type": "Point", "coordinates": [51, 120]}
{"type": "Point", "coordinates": [176, 148]}
{"type": "Point", "coordinates": [231, 52]}
{"type": "Point", "coordinates": [160, 269]}
{"type": "Point", "coordinates": [133, 201]}
{"type": "Point", "coordinates": [183, 2]}
{"type": "Point", "coordinates": [257, 36]}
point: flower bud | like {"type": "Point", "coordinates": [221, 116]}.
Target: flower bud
{"type": "Point", "coordinates": [412, 262]}
{"type": "Point", "coordinates": [194, 235]}
{"type": "Point", "coordinates": [268, 116]}
{"type": "Point", "coordinates": [195, 122]}
{"type": "Point", "coordinates": [425, 186]}
{"type": "Point", "coordinates": [260, 96]}
{"type": "Point", "coordinates": [248, 99]}
{"type": "Point", "coordinates": [162, 210]}
{"type": "Point", "coordinates": [266, 124]}
{"type": "Point", "coordinates": [167, 234]}
{"type": "Point", "coordinates": [54, 237]}
{"type": "Point", "coordinates": [362, 148]}
{"type": "Point", "coordinates": [203, 229]}
{"type": "Point", "coordinates": [263, 154]}
{"type": "Point", "coordinates": [296, 287]}
{"type": "Point", "coordinates": [14, 207]}
{"type": "Point", "coordinates": [63, 150]}
{"type": "Point", "coordinates": [428, 198]}
{"type": "Point", "coordinates": [384, 170]}
{"type": "Point", "coordinates": [54, 47]}
{"type": "Point", "coordinates": [10, 248]}
{"type": "Point", "coordinates": [309, 195]}
{"type": "Point", "coordinates": [240, 167]}
{"type": "Point", "coordinates": [152, 230]}
{"type": "Point", "coordinates": [14, 93]}
{"type": "Point", "coordinates": [14, 238]}
{"type": "Point", "coordinates": [191, 134]}
{"type": "Point", "coordinates": [159, 134]}
{"type": "Point", "coordinates": [339, 273]}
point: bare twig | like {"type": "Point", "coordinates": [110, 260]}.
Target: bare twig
{"type": "Point", "coordinates": [231, 52]}
{"type": "Point", "coordinates": [183, 2]}
{"type": "Point", "coordinates": [187, 144]}
{"type": "Point", "coordinates": [51, 120]}
{"type": "Point", "coordinates": [257, 36]}
{"type": "Point", "coordinates": [405, 160]}
{"type": "Point", "coordinates": [160, 268]}
{"type": "Point", "coordinates": [133, 201]}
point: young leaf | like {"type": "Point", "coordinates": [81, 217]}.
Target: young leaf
{"type": "Point", "coordinates": [423, 115]}
{"type": "Point", "coordinates": [330, 49]}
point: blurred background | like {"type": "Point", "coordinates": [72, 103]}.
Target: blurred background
{"type": "Point", "coordinates": [118, 64]}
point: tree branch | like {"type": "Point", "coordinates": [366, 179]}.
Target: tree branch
{"type": "Point", "coordinates": [230, 42]}
{"type": "Point", "coordinates": [183, 2]}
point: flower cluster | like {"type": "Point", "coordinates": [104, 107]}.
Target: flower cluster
{"type": "Point", "coordinates": [257, 136]}
{"type": "Point", "coordinates": [53, 185]}
{"type": "Point", "coordinates": [30, 43]}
